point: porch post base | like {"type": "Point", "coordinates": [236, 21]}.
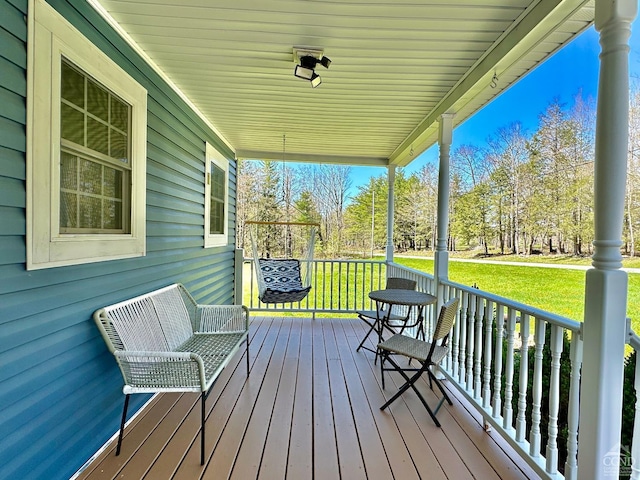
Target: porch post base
{"type": "Point", "coordinates": [603, 370]}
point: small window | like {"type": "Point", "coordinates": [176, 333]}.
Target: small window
{"type": "Point", "coordinates": [216, 198]}
{"type": "Point", "coordinates": [86, 155]}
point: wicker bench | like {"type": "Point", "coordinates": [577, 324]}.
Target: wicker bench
{"type": "Point", "coordinates": [164, 341]}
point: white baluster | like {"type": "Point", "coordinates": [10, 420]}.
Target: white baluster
{"type": "Point", "coordinates": [497, 371]}
{"type": "Point", "coordinates": [455, 342]}
{"type": "Point", "coordinates": [535, 436]}
{"type": "Point", "coordinates": [486, 380]}
{"type": "Point", "coordinates": [507, 423]}
{"type": "Point", "coordinates": [477, 363]}
{"type": "Point", "coordinates": [557, 334]}
{"type": "Point", "coordinates": [464, 314]}
{"type": "Point", "coordinates": [521, 421]}
{"type": "Point", "coordinates": [571, 465]}
{"type": "Point", "coordinates": [471, 341]}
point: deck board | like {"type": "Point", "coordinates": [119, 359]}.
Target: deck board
{"type": "Point", "coordinates": [300, 454]}
{"type": "Point", "coordinates": [310, 408]}
{"type": "Point", "coordinates": [325, 450]}
{"type": "Point", "coordinates": [382, 459]}
{"type": "Point", "coordinates": [247, 462]}
{"type": "Point", "coordinates": [347, 438]}
{"type": "Point", "coordinates": [274, 458]}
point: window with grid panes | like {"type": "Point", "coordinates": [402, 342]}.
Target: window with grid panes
{"type": "Point", "coordinates": [216, 197]}
{"type": "Point", "coordinates": [86, 149]}
{"type": "Point", "coordinates": [95, 166]}
{"type": "Point", "coordinates": [218, 190]}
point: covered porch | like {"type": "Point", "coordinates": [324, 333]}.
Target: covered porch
{"type": "Point", "coordinates": [219, 76]}
{"type": "Point", "coordinates": [309, 409]}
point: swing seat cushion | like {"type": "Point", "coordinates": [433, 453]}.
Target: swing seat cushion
{"type": "Point", "coordinates": [282, 280]}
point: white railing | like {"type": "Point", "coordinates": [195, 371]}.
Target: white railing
{"type": "Point", "coordinates": [337, 286]}
{"type": "Point", "coordinates": [507, 386]}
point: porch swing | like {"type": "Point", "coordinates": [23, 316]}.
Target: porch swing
{"type": "Point", "coordinates": [283, 280]}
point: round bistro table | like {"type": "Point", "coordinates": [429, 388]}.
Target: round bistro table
{"type": "Point", "coordinates": [406, 298]}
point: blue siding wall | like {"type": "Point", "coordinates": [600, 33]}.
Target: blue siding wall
{"type": "Point", "coordinates": [60, 389]}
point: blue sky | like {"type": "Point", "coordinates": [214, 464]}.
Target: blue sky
{"type": "Point", "coordinates": [571, 70]}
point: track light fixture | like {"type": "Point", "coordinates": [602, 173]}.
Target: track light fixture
{"type": "Point", "coordinates": [315, 80]}
{"type": "Point", "coordinates": [308, 59]}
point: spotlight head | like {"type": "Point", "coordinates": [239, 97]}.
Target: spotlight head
{"type": "Point", "coordinates": [304, 72]}
{"type": "Point", "coordinates": [315, 80]}
{"type": "Point", "coordinates": [309, 61]}
{"type": "Point", "coordinates": [325, 62]}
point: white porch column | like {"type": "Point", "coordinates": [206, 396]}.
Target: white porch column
{"type": "Point", "coordinates": [441, 261]}
{"type": "Point", "coordinates": [391, 178]}
{"type": "Point", "coordinates": [606, 285]}
{"type": "Point", "coordinates": [239, 277]}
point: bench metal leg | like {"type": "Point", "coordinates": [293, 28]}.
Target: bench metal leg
{"type": "Point", "coordinates": [122, 422]}
{"type": "Point", "coordinates": [204, 413]}
{"type": "Point", "coordinates": [248, 365]}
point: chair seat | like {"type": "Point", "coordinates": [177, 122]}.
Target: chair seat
{"type": "Point", "coordinates": [413, 348]}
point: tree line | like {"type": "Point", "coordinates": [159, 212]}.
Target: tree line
{"type": "Point", "coordinates": [519, 193]}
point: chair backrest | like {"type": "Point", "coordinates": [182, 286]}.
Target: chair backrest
{"type": "Point", "coordinates": [281, 274]}
{"type": "Point", "coordinates": [156, 321]}
{"type": "Point", "coordinates": [446, 319]}
{"type": "Point", "coordinates": [398, 283]}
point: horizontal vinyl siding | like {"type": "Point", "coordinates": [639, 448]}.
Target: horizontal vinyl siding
{"type": "Point", "coordinates": [60, 390]}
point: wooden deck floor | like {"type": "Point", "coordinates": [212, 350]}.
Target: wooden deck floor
{"type": "Point", "coordinates": [308, 410]}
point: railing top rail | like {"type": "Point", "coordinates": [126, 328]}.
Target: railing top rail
{"type": "Point", "coordinates": [409, 269]}
{"type": "Point", "coordinates": [634, 340]}
{"type": "Point", "coordinates": [559, 320]}
{"type": "Point", "coordinates": [335, 260]}
{"type": "Point", "coordinates": [259, 222]}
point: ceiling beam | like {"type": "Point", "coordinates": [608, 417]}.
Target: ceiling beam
{"type": "Point", "coordinates": [312, 158]}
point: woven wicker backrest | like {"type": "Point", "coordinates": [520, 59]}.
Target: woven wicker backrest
{"type": "Point", "coordinates": [401, 283]}
{"type": "Point", "coordinates": [173, 316]}
{"type": "Point", "coordinates": [134, 326]}
{"type": "Point", "coordinates": [445, 319]}
{"type": "Point", "coordinates": [157, 321]}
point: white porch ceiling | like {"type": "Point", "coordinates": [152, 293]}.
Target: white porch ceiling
{"type": "Point", "coordinates": [396, 66]}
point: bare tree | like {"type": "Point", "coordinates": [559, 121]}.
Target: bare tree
{"type": "Point", "coordinates": [508, 153]}
{"type": "Point", "coordinates": [469, 167]}
{"type": "Point", "coordinates": [633, 171]}
{"type": "Point", "coordinates": [331, 184]}
{"type": "Point", "coordinates": [428, 176]}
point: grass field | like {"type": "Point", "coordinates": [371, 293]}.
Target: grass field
{"type": "Point", "coordinates": [551, 289]}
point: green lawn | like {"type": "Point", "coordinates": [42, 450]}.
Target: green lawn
{"type": "Point", "coordinates": [551, 289]}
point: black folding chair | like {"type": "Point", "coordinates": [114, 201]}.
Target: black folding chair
{"type": "Point", "coordinates": [372, 317]}
{"type": "Point", "coordinates": [427, 354]}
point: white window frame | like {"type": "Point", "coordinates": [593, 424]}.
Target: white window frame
{"type": "Point", "coordinates": [212, 156]}
{"type": "Point", "coordinates": [51, 37]}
